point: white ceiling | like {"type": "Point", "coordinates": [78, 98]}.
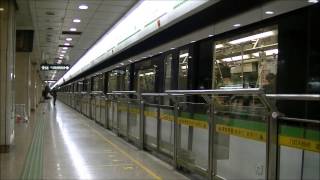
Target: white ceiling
{"type": "Point", "coordinates": [50, 17]}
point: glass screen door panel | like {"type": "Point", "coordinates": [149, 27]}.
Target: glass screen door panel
{"type": "Point", "coordinates": [146, 84]}
{"type": "Point", "coordinates": [245, 61]}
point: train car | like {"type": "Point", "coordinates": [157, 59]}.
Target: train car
{"type": "Point", "coordinates": [278, 55]}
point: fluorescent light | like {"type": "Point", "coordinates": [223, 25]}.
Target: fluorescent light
{"type": "Point", "coordinates": [67, 44]}
{"type": "Point", "coordinates": [171, 48]}
{"type": "Point", "coordinates": [313, 1]}
{"type": "Point", "coordinates": [130, 61]}
{"type": "Point", "coordinates": [73, 29]}
{"type": "Point", "coordinates": [219, 46]}
{"type": "Point", "coordinates": [184, 55]}
{"type": "Point", "coordinates": [63, 51]}
{"type": "Point", "coordinates": [65, 48]}
{"type": "Point", "coordinates": [256, 54]}
{"type": "Point", "coordinates": [231, 87]}
{"type": "Point", "coordinates": [121, 64]}
{"type": "Point", "coordinates": [236, 25]}
{"type": "Point", "coordinates": [210, 35]}
{"type": "Point", "coordinates": [269, 12]}
{"type": "Point", "coordinates": [271, 52]}
{"type": "Point", "coordinates": [192, 41]}
{"type": "Point", "coordinates": [236, 58]}
{"type": "Point", "coordinates": [69, 39]}
{"type": "Point", "coordinates": [83, 6]}
{"type": "Point", "coordinates": [76, 20]}
{"type": "Point", "coordinates": [267, 52]}
{"type": "Point", "coordinates": [253, 37]}
{"type": "Point", "coordinates": [50, 81]}
{"type": "Point", "coordinates": [60, 57]}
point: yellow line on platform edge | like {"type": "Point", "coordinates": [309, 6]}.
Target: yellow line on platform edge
{"type": "Point", "coordinates": [150, 172]}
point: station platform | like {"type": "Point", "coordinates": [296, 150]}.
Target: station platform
{"type": "Point", "coordinates": [60, 143]}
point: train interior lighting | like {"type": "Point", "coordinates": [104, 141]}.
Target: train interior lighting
{"type": "Point", "coordinates": [83, 6]}
{"type": "Point", "coordinates": [76, 20]}
{"type": "Point", "coordinates": [247, 61]}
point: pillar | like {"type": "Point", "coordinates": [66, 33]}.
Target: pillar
{"type": "Point", "coordinates": [7, 73]}
{"type": "Point", "coordinates": [23, 82]}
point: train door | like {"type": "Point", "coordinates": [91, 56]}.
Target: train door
{"type": "Point", "coordinates": [244, 61]}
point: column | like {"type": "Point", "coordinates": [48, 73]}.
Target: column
{"type": "Point", "coordinates": [7, 57]}
{"type": "Point", "coordinates": [23, 84]}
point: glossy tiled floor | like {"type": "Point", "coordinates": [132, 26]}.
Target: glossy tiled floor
{"type": "Point", "coordinates": [74, 147]}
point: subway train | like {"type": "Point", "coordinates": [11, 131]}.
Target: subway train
{"type": "Point", "coordinates": [279, 55]}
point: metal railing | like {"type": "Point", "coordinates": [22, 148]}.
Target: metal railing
{"type": "Point", "coordinates": [209, 96]}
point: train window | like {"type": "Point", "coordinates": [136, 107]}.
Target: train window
{"type": "Point", "coordinates": [167, 72]}
{"type": "Point", "coordinates": [146, 80]}
{"type": "Point", "coordinates": [112, 81]}
{"type": "Point", "coordinates": [80, 86]}
{"type": "Point", "coordinates": [98, 83]}
{"type": "Point", "coordinates": [85, 85]}
{"type": "Point", "coordinates": [183, 69]}
{"type": "Point", "coordinates": [247, 61]}
{"type": "Point", "coordinates": [124, 79]}
{"type": "Point", "coordinates": [119, 79]}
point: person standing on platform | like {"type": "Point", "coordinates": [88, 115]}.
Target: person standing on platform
{"type": "Point", "coordinates": [54, 95]}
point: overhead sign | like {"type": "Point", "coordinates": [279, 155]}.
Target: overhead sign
{"type": "Point", "coordinates": [58, 67]}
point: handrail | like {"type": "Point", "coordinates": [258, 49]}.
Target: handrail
{"type": "Point", "coordinates": [154, 94]}
{"type": "Point", "coordinates": [250, 91]}
{"type": "Point", "coordinates": [160, 94]}
{"type": "Point", "coordinates": [96, 92]}
{"type": "Point", "coordinates": [124, 92]}
{"type": "Point", "coordinates": [299, 97]}
{"type": "Point", "coordinates": [299, 120]}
